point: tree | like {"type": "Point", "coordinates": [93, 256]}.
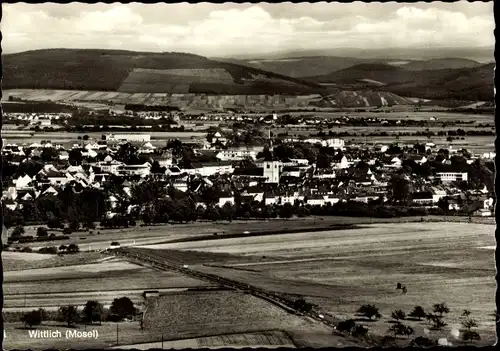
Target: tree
{"type": "Point", "coordinates": [418, 312]}
{"type": "Point", "coordinates": [93, 311]}
{"type": "Point", "coordinates": [400, 189]}
{"type": "Point", "coordinates": [369, 311]}
{"type": "Point", "coordinates": [227, 211]}
{"type": "Point", "coordinates": [75, 157]}
{"type": "Point", "coordinates": [17, 232]}
{"type": "Point", "coordinates": [72, 248]}
{"type": "Point", "coordinates": [42, 232]}
{"type": "Point", "coordinates": [398, 315]}
{"type": "Point", "coordinates": [422, 341]}
{"type": "Point", "coordinates": [466, 313]}
{"type": "Point", "coordinates": [397, 329]}
{"type": "Point", "coordinates": [408, 331]}
{"type": "Point", "coordinates": [32, 318]}
{"type": "Point", "coordinates": [359, 331]}
{"type": "Point", "coordinates": [346, 326]}
{"type": "Point", "coordinates": [68, 314]}
{"type": "Point", "coordinates": [122, 307]}
{"type": "Point", "coordinates": [470, 335]}
{"type": "Point", "coordinates": [286, 211]}
{"type": "Point", "coordinates": [441, 308]}
{"type": "Point", "coordinates": [469, 323]}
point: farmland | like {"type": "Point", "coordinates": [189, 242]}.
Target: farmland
{"type": "Point", "coordinates": [53, 286]}
{"type": "Point", "coordinates": [341, 270]}
{"type": "Point", "coordinates": [271, 339]}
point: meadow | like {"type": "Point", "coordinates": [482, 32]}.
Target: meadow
{"type": "Point", "coordinates": [341, 270]}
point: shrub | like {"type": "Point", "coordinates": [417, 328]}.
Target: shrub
{"type": "Point", "coordinates": [42, 232]}
{"type": "Point", "coordinates": [18, 231]}
{"type": "Point", "coordinates": [346, 326]}
{"type": "Point", "coordinates": [418, 312]}
{"type": "Point", "coordinates": [369, 311]}
{"type": "Point", "coordinates": [441, 308]}
{"type": "Point", "coordinates": [398, 315]}
{"type": "Point", "coordinates": [67, 230]}
{"type": "Point", "coordinates": [32, 318]}
{"type": "Point", "coordinates": [27, 249]}
{"type": "Point", "coordinates": [359, 331]}
{"type": "Point", "coordinates": [72, 248]}
{"type": "Point", "coordinates": [470, 335]}
{"type": "Point", "coordinates": [51, 250]}
{"type": "Point", "coordinates": [422, 341]}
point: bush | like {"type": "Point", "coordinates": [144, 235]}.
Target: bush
{"type": "Point", "coordinates": [122, 307]}
{"type": "Point", "coordinates": [422, 341]}
{"type": "Point", "coordinates": [72, 248]}
{"type": "Point", "coordinates": [470, 335]}
{"type": "Point", "coordinates": [27, 249]}
{"type": "Point", "coordinates": [18, 231]}
{"type": "Point", "coordinates": [369, 311]}
{"type": "Point", "coordinates": [32, 318]}
{"type": "Point", "coordinates": [42, 232]}
{"type": "Point", "coordinates": [346, 326]}
{"type": "Point", "coordinates": [359, 331]}
{"type": "Point", "coordinates": [51, 250]}
{"type": "Point", "coordinates": [398, 315]}
{"type": "Point", "coordinates": [67, 230]}
{"type": "Point", "coordinates": [418, 312]}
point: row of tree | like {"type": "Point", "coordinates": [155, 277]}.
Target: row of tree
{"type": "Point", "coordinates": [92, 312]}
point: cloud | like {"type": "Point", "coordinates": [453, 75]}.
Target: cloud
{"type": "Point", "coordinates": [232, 29]}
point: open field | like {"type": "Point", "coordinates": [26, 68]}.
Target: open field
{"type": "Point", "coordinates": [52, 287]}
{"type": "Point", "coordinates": [271, 339]}
{"type": "Point", "coordinates": [195, 314]}
{"type": "Point", "coordinates": [341, 270]}
{"type": "Point", "coordinates": [16, 261]}
{"type": "Point", "coordinates": [138, 236]}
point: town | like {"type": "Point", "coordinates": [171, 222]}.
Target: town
{"type": "Point", "coordinates": [121, 179]}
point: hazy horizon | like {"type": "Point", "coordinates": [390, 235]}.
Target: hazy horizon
{"type": "Point", "coordinates": [250, 30]}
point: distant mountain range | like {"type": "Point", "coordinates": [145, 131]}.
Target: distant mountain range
{"type": "Point", "coordinates": [181, 73]}
{"type": "Point", "coordinates": [299, 67]}
{"type": "Point", "coordinates": [483, 54]}
{"type": "Point", "coordinates": [141, 72]}
{"type": "Point", "coordinates": [472, 84]}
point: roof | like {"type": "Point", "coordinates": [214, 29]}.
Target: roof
{"type": "Point", "coordinates": [422, 195]}
{"type": "Point", "coordinates": [252, 171]}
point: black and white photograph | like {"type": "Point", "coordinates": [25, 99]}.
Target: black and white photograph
{"type": "Point", "coordinates": [248, 175]}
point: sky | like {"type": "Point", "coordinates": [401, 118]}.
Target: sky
{"type": "Point", "coordinates": [218, 30]}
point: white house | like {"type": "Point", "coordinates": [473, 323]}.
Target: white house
{"type": "Point", "coordinates": [452, 176]}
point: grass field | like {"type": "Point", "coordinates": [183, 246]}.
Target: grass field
{"type": "Point", "coordinates": [57, 285]}
{"type": "Point", "coordinates": [196, 314]}
{"type": "Point", "coordinates": [270, 339]}
{"type": "Point", "coordinates": [341, 270]}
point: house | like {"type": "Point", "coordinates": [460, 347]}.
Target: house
{"type": "Point", "coordinates": [173, 171]}
{"type": "Point", "coordinates": [236, 154]}
{"type": "Point", "coordinates": [340, 161]}
{"type": "Point", "coordinates": [207, 169]}
{"type": "Point", "coordinates": [423, 198]}
{"type": "Point", "coordinates": [483, 212]}
{"type": "Point", "coordinates": [23, 182]}
{"type": "Point", "coordinates": [226, 198]}
{"type": "Point", "coordinates": [135, 170]}
{"type": "Point", "coordinates": [446, 177]}
{"type": "Point", "coordinates": [135, 137]}
{"type": "Point", "coordinates": [256, 193]}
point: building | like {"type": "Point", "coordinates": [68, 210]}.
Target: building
{"type": "Point", "coordinates": [134, 170]}
{"type": "Point", "coordinates": [272, 171]}
{"type": "Point", "coordinates": [210, 168]}
{"type": "Point", "coordinates": [136, 137]}
{"type": "Point", "coordinates": [236, 154]}
{"type": "Point", "coordinates": [452, 176]}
